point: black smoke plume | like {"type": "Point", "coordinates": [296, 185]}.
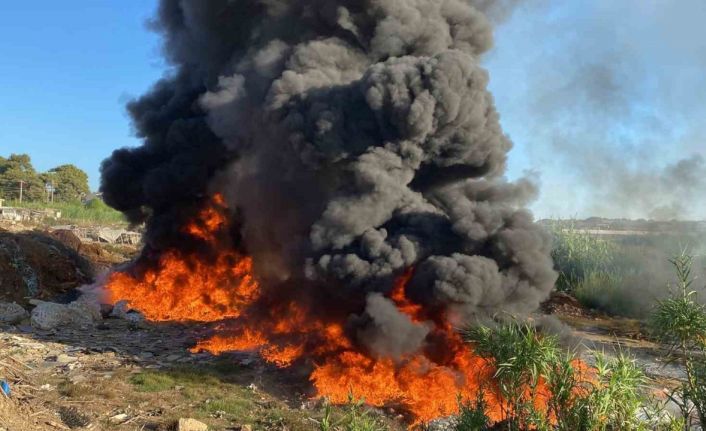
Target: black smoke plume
{"type": "Point", "coordinates": [354, 139]}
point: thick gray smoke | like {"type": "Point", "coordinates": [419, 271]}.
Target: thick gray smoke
{"type": "Point", "coordinates": [354, 139]}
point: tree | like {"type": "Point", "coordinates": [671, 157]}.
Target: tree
{"type": "Point", "coordinates": [70, 183]}
{"type": "Point", "coordinates": [17, 172]}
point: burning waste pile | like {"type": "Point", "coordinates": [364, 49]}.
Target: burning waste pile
{"type": "Point", "coordinates": [325, 180]}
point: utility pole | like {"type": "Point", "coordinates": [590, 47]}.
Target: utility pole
{"type": "Point", "coordinates": [22, 183]}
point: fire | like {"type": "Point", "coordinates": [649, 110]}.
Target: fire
{"type": "Point", "coordinates": [186, 287]}
{"type": "Point", "coordinates": [182, 288]}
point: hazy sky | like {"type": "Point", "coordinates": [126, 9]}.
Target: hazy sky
{"type": "Point", "coordinates": [604, 99]}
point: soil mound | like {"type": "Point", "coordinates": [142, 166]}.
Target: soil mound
{"type": "Point", "coordinates": [38, 265]}
{"type": "Point", "coordinates": [102, 256]}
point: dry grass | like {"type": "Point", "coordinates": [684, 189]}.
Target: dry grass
{"type": "Point", "coordinates": [12, 417]}
{"type": "Point", "coordinates": [15, 412]}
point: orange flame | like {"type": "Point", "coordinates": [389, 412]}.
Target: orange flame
{"type": "Point", "coordinates": [185, 287]}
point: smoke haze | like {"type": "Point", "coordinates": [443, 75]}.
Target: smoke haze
{"type": "Point", "coordinates": [604, 100]}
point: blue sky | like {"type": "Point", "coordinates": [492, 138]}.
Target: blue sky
{"type": "Point", "coordinates": [66, 70]}
{"type": "Point", "coordinates": [601, 97]}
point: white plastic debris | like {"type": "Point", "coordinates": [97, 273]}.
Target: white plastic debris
{"type": "Point", "coordinates": [12, 313]}
{"type": "Point", "coordinates": [49, 315]}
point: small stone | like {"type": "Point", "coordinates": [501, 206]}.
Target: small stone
{"type": "Point", "coordinates": [119, 418]}
{"type": "Point", "coordinates": [191, 425]}
{"type": "Point", "coordinates": [173, 357]}
{"type": "Point", "coordinates": [65, 359]}
{"type": "Point", "coordinates": [246, 428]}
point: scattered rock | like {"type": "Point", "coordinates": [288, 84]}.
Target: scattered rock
{"type": "Point", "coordinates": [191, 425]}
{"type": "Point", "coordinates": [12, 313]}
{"type": "Point", "coordinates": [121, 310]}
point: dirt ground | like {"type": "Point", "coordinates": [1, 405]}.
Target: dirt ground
{"type": "Point", "coordinates": [119, 376]}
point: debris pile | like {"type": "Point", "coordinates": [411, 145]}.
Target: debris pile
{"type": "Point", "coordinates": [36, 265]}
{"type": "Point", "coordinates": [101, 234]}
{"type": "Point", "coordinates": [565, 304]}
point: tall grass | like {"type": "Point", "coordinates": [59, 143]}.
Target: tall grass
{"type": "Point", "coordinates": [607, 291]}
{"type": "Point", "coordinates": [578, 255]}
{"type": "Point", "coordinates": [94, 211]}
{"type": "Point", "coordinates": [622, 275]}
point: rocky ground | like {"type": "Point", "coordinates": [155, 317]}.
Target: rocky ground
{"type": "Point", "coordinates": [122, 376]}
{"type": "Point", "coordinates": [116, 374]}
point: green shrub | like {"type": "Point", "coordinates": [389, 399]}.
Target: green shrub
{"type": "Point", "coordinates": [531, 365]}
{"type": "Point", "coordinates": [679, 322]}
{"type": "Point", "coordinates": [520, 356]}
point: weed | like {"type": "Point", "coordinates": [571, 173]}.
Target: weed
{"type": "Point", "coordinates": [152, 382]}
{"type": "Point", "coordinates": [354, 418]}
